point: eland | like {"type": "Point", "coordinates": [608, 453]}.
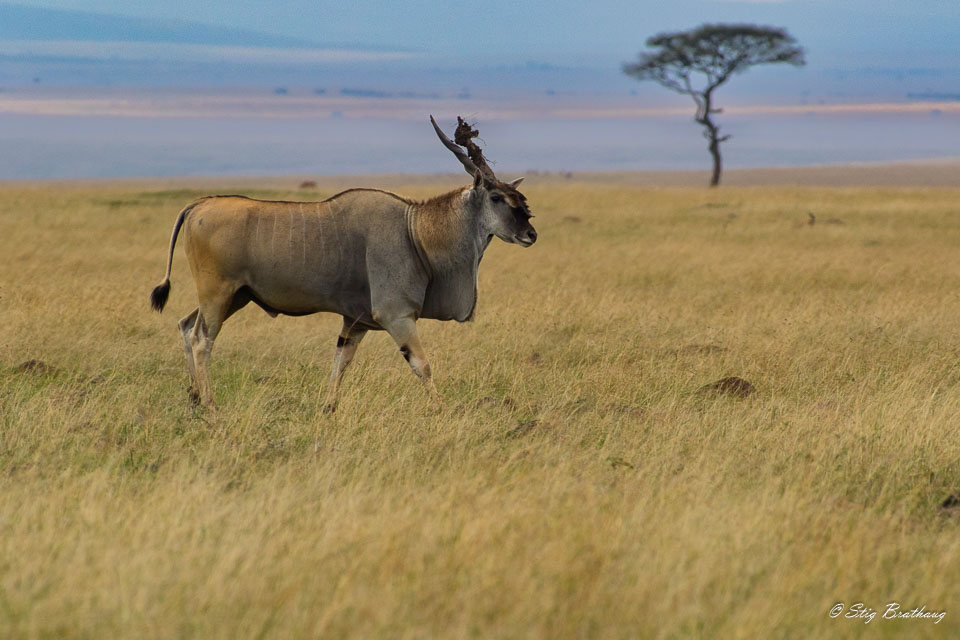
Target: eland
{"type": "Point", "coordinates": [379, 260]}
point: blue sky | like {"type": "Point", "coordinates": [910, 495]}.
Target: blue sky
{"type": "Point", "coordinates": [891, 47]}
{"type": "Point", "coordinates": [557, 27]}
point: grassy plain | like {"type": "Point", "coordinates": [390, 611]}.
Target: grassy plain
{"type": "Point", "coordinates": [576, 483]}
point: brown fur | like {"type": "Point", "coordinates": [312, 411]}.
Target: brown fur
{"type": "Point", "coordinates": [438, 226]}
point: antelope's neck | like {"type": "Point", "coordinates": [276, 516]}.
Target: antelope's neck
{"type": "Point", "coordinates": [447, 233]}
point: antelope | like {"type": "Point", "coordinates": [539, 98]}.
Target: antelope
{"type": "Point", "coordinates": [380, 260]}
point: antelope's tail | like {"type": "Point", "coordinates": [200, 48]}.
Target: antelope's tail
{"type": "Point", "coordinates": [160, 293]}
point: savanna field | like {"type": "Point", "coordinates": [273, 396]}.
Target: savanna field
{"type": "Point", "coordinates": [579, 481]}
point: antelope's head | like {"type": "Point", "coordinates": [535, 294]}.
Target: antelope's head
{"type": "Point", "coordinates": [503, 209]}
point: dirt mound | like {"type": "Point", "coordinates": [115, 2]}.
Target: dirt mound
{"type": "Point", "coordinates": [37, 366]}
{"type": "Point", "coordinates": [732, 386]}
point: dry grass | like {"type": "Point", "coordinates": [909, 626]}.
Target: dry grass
{"type": "Point", "coordinates": [577, 482]}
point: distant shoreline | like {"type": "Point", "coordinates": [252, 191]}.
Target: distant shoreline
{"type": "Point", "coordinates": [943, 172]}
{"type": "Point", "coordinates": [352, 104]}
{"type": "Point", "coordinates": [119, 135]}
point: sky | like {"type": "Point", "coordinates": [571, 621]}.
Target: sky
{"type": "Point", "coordinates": [891, 48]}
{"type": "Point", "coordinates": [555, 27]}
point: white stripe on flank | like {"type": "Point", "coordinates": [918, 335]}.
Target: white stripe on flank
{"type": "Point", "coordinates": [273, 236]}
{"type": "Point", "coordinates": [303, 236]}
{"type": "Point", "coordinates": [319, 227]}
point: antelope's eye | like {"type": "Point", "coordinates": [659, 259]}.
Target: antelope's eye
{"type": "Point", "coordinates": [496, 197]}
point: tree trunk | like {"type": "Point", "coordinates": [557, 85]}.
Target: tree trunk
{"type": "Point", "coordinates": [715, 152]}
{"type": "Point", "coordinates": [712, 133]}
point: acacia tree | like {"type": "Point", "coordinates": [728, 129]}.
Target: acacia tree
{"type": "Point", "coordinates": [696, 62]}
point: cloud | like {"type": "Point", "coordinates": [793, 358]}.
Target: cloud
{"type": "Point", "coordinates": [174, 52]}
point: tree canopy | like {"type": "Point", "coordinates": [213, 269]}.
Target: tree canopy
{"type": "Point", "coordinates": [716, 51]}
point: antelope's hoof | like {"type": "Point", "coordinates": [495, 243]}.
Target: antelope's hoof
{"type": "Point", "coordinates": [330, 408]}
{"type": "Point", "coordinates": [194, 397]}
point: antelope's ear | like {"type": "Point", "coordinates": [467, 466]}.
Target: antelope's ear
{"type": "Point", "coordinates": [477, 180]}
{"type": "Point", "coordinates": [516, 182]}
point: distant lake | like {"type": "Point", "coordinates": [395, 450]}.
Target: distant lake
{"type": "Point", "coordinates": [71, 146]}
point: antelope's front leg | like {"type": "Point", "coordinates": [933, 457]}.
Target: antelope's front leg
{"type": "Point", "coordinates": [404, 333]}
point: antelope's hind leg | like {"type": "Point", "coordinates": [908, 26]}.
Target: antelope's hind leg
{"type": "Point", "coordinates": [347, 343]}
{"type": "Point", "coordinates": [186, 325]}
{"type": "Point", "coordinates": [215, 306]}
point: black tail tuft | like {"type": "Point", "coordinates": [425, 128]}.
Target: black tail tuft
{"type": "Point", "coordinates": [158, 297]}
